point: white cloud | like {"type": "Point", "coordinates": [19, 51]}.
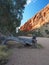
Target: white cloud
{"type": "Point", "coordinates": [28, 2]}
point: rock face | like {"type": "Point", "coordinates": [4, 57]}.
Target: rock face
{"type": "Point", "coordinates": [37, 21]}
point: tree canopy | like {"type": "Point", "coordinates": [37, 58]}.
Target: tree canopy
{"type": "Point", "coordinates": [11, 14]}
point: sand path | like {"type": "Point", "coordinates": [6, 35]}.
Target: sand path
{"type": "Point", "coordinates": [25, 56]}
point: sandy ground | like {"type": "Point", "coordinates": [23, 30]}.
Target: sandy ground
{"type": "Point", "coordinates": [26, 56]}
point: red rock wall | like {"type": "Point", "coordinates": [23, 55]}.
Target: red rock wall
{"type": "Point", "coordinates": [37, 21]}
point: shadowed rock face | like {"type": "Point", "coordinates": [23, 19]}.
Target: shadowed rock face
{"type": "Point", "coordinates": [37, 21]}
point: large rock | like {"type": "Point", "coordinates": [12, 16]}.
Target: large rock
{"type": "Point", "coordinates": [37, 21]}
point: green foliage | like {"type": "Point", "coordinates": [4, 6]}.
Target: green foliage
{"type": "Point", "coordinates": [4, 53]}
{"type": "Point", "coordinates": [34, 32]}
{"type": "Point", "coordinates": [21, 33]}
{"type": "Point", "coordinates": [3, 56]}
{"type": "Point", "coordinates": [39, 46]}
{"type": "Point", "coordinates": [11, 14]}
{"type": "Point", "coordinates": [39, 34]}
{"type": "Point", "coordinates": [47, 32]}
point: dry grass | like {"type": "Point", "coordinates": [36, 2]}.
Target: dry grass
{"type": "Point", "coordinates": [14, 44]}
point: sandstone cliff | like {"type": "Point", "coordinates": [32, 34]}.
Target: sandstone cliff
{"type": "Point", "coordinates": [37, 21]}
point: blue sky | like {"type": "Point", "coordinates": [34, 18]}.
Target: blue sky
{"type": "Point", "coordinates": [32, 7]}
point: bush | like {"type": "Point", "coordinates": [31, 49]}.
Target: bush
{"type": "Point", "coordinates": [3, 48]}
{"type": "Point", "coordinates": [3, 58]}
{"type": "Point", "coordinates": [47, 32]}
{"type": "Point", "coordinates": [4, 53]}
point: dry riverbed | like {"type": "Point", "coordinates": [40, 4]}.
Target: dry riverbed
{"type": "Point", "coordinates": [30, 56]}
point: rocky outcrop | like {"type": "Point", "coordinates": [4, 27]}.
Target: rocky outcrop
{"type": "Point", "coordinates": [37, 21]}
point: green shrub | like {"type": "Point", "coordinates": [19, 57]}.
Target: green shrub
{"type": "Point", "coordinates": [4, 54]}
{"type": "Point", "coordinates": [47, 32]}
{"type": "Point", "coordinates": [3, 48]}
{"type": "Point", "coordinates": [39, 46]}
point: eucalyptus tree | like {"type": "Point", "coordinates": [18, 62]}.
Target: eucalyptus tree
{"type": "Point", "coordinates": [11, 14]}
